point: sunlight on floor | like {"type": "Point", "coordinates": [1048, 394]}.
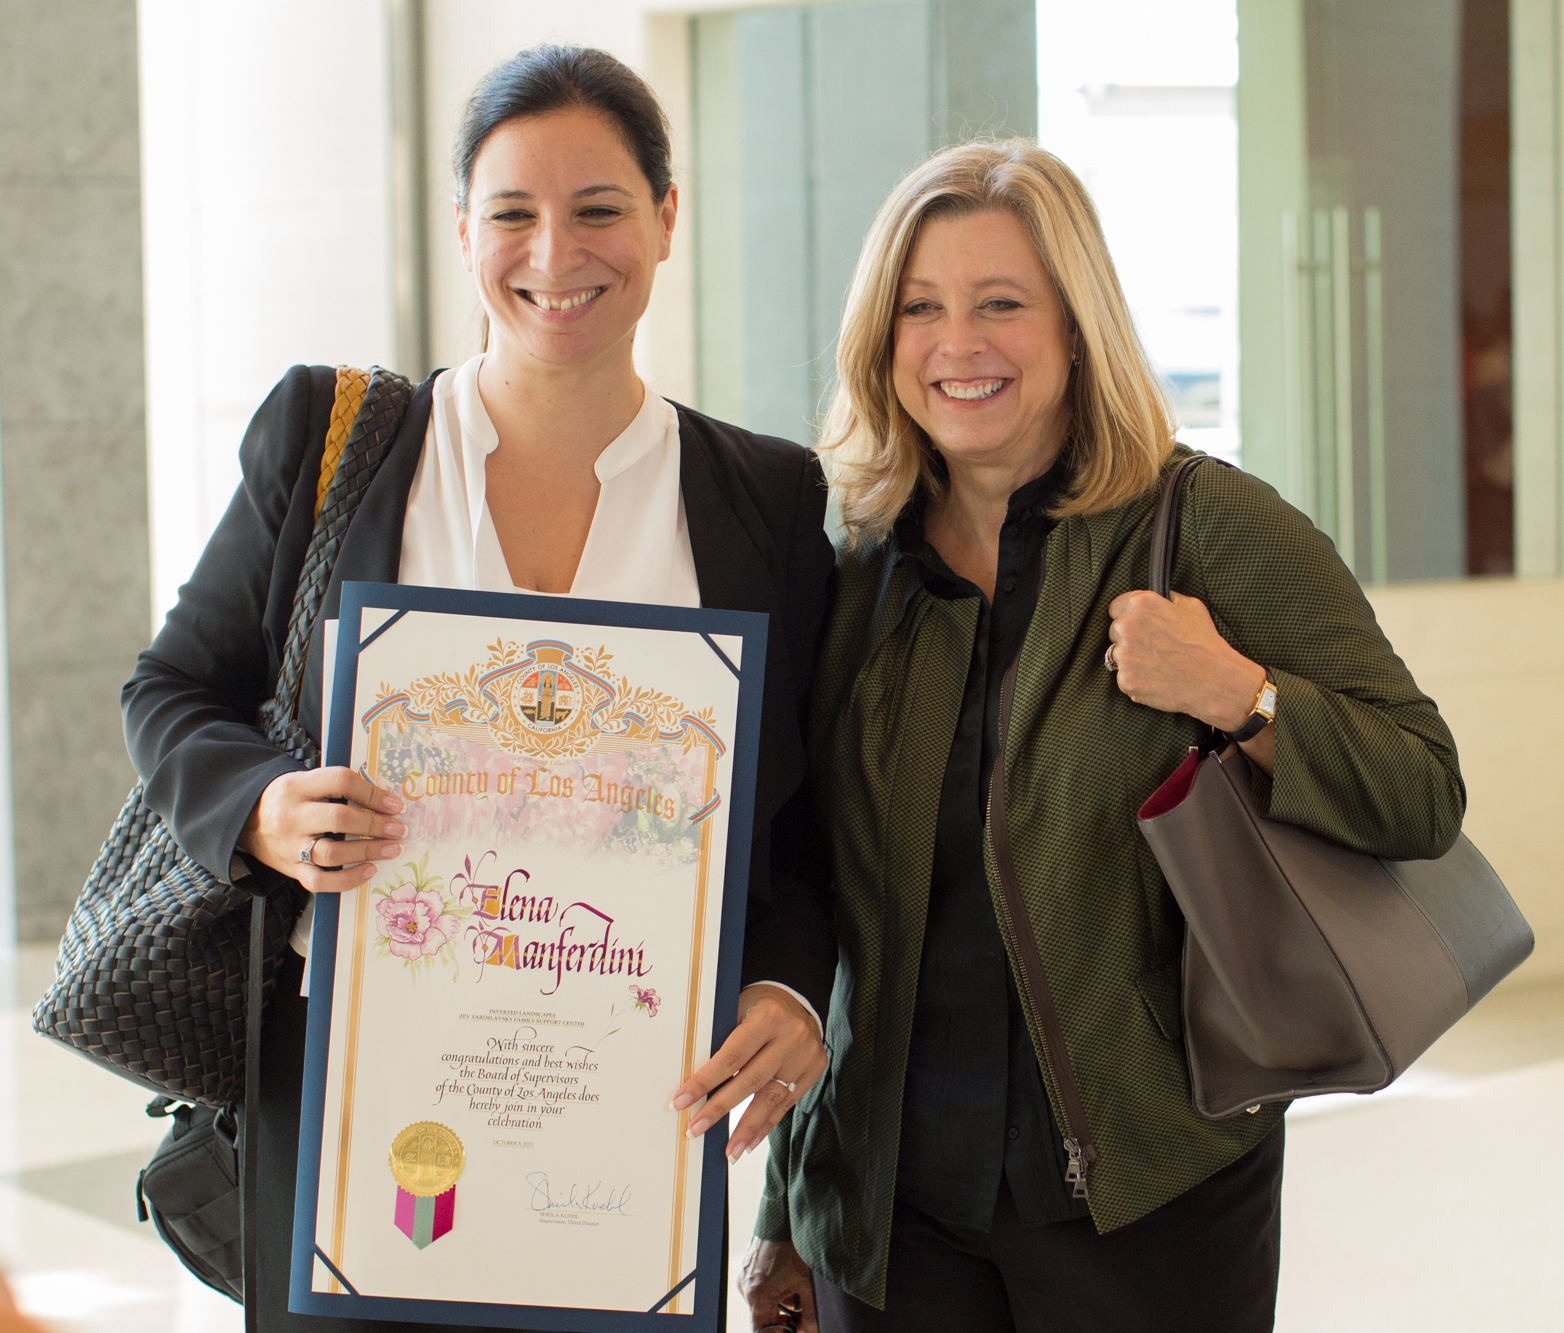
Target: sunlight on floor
{"type": "Point", "coordinates": [1436, 1206]}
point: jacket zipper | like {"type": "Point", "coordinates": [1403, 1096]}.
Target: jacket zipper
{"type": "Point", "coordinates": [1078, 1144]}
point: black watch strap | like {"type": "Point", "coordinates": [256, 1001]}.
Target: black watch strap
{"type": "Point", "coordinates": [1260, 719]}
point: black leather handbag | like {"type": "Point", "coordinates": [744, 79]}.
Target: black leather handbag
{"type": "Point", "coordinates": [190, 1192]}
{"type": "Point", "coordinates": [1309, 968]}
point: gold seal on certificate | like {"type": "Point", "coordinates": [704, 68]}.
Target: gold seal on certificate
{"type": "Point", "coordinates": [426, 1162]}
{"type": "Point", "coordinates": [427, 1159]}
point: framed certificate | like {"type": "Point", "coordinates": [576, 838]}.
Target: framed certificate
{"type": "Point", "coordinates": [499, 1019]}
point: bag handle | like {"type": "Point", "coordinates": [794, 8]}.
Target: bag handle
{"type": "Point", "coordinates": [1164, 550]}
{"type": "Point", "coordinates": [367, 414]}
{"type": "Point", "coordinates": [1164, 527]}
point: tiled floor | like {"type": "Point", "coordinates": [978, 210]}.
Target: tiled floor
{"type": "Point", "coordinates": [1437, 1206]}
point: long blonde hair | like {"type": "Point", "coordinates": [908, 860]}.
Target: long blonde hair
{"type": "Point", "coordinates": [1121, 430]}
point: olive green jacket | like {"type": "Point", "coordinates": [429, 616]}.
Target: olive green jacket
{"type": "Point", "coordinates": [1362, 757]}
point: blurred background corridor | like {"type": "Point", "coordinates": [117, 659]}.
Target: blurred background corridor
{"type": "Point", "coordinates": [1340, 226]}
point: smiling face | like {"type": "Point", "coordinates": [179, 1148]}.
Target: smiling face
{"type": "Point", "coordinates": [983, 345]}
{"type": "Point", "coordinates": [563, 238]}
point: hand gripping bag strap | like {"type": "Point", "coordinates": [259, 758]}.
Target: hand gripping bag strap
{"type": "Point", "coordinates": [152, 974]}
{"type": "Point", "coordinates": [1164, 548]}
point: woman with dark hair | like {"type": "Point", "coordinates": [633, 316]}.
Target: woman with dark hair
{"type": "Point", "coordinates": [542, 465]}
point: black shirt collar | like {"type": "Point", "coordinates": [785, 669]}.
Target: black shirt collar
{"type": "Point", "coordinates": [1029, 507]}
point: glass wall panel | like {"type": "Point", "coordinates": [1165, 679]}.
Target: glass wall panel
{"type": "Point", "coordinates": [1374, 201]}
{"type": "Point", "coordinates": [805, 116]}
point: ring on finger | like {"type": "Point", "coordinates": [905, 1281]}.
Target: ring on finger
{"type": "Point", "coordinates": [1108, 659]}
{"type": "Point", "coordinates": [791, 1087]}
{"type": "Point", "coordinates": [307, 852]}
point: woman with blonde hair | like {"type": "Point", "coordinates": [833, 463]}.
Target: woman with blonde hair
{"type": "Point", "coordinates": [1004, 1138]}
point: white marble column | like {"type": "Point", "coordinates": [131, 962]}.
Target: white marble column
{"type": "Point", "coordinates": [72, 436]}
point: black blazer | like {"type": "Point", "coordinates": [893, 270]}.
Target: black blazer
{"type": "Point", "coordinates": [755, 508]}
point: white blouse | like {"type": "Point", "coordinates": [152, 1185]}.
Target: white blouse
{"type": "Point", "coordinates": [637, 550]}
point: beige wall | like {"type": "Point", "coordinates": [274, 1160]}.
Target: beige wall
{"type": "Point", "coordinates": [1491, 653]}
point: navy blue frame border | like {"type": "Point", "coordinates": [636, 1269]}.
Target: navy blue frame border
{"type": "Point", "coordinates": [751, 628]}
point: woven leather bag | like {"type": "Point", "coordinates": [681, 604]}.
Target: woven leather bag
{"type": "Point", "coordinates": [1309, 968]}
{"type": "Point", "coordinates": [153, 968]}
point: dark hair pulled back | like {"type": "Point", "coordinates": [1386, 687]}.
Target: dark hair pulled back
{"type": "Point", "coordinates": [561, 78]}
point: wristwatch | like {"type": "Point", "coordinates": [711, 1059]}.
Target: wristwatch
{"type": "Point", "coordinates": [1261, 716]}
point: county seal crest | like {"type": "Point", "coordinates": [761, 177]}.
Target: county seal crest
{"type": "Point", "coordinates": [548, 696]}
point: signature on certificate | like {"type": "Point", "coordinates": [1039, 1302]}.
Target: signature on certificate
{"type": "Point", "coordinates": [576, 1198]}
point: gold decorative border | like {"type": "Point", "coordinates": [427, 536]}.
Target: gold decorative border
{"type": "Point", "coordinates": [676, 1269]}
{"type": "Point", "coordinates": [350, 1059]}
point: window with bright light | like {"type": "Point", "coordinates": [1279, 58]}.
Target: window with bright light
{"type": "Point", "coordinates": [1137, 97]}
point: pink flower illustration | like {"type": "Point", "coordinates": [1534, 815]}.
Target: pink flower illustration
{"type": "Point", "coordinates": [415, 924]}
{"type": "Point", "coordinates": [646, 999]}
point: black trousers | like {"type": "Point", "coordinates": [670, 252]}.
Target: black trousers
{"type": "Point", "coordinates": [1205, 1263]}
{"type": "Point", "coordinates": [282, 1084]}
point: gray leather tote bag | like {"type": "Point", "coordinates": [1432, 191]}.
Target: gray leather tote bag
{"type": "Point", "coordinates": [1309, 968]}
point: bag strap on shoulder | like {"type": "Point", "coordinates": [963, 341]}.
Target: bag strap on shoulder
{"type": "Point", "coordinates": [1165, 525]}
{"type": "Point", "coordinates": [352, 389]}
{"type": "Point", "coordinates": [366, 414]}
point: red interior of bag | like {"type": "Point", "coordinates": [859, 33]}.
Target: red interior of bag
{"type": "Point", "coordinates": [1172, 792]}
